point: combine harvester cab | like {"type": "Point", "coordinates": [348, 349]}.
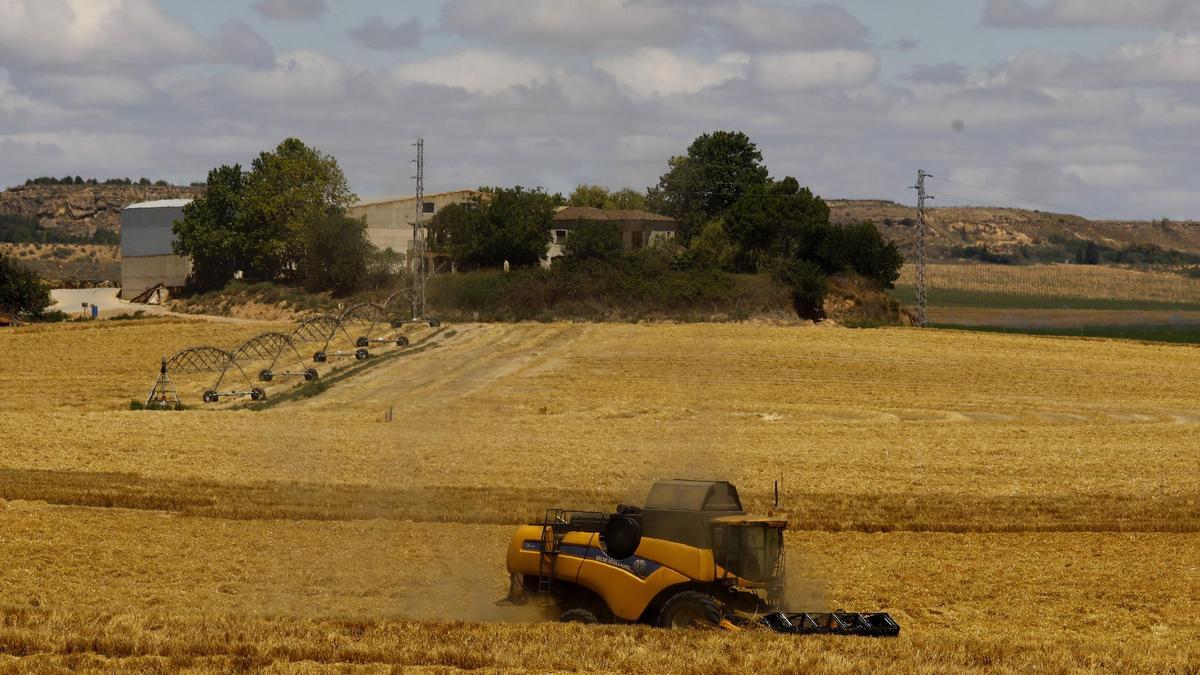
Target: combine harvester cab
{"type": "Point", "coordinates": [690, 558]}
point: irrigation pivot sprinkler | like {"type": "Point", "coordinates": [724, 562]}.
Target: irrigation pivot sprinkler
{"type": "Point", "coordinates": [163, 394]}
{"type": "Point", "coordinates": [205, 359]}
{"type": "Point", "coordinates": [271, 347]}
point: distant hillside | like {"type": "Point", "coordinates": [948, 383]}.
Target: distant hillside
{"type": "Point", "coordinates": [1004, 231]}
{"type": "Point", "coordinates": [80, 210]}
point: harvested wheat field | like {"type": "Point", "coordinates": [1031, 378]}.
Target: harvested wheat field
{"type": "Point", "coordinates": [1017, 503]}
{"type": "Point", "coordinates": [1085, 282]}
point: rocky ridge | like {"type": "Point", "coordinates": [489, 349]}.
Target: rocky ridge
{"type": "Point", "coordinates": [82, 209]}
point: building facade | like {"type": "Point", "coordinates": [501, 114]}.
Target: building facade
{"type": "Point", "coordinates": [390, 219]}
{"type": "Point", "coordinates": [146, 256]}
{"type": "Point", "coordinates": [639, 229]}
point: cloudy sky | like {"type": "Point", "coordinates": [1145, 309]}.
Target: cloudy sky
{"type": "Point", "coordinates": [1091, 106]}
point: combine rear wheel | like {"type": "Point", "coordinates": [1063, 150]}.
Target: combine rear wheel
{"type": "Point", "coordinates": [578, 616]}
{"type": "Point", "coordinates": [690, 609]}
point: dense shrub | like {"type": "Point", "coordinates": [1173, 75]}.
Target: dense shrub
{"type": "Point", "coordinates": [636, 286]}
{"type": "Point", "coordinates": [594, 240]}
{"type": "Point", "coordinates": [21, 291]}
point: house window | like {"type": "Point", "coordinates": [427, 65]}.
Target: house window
{"type": "Point", "coordinates": [560, 236]}
{"type": "Point", "coordinates": [635, 239]}
{"type": "Point", "coordinates": [428, 207]}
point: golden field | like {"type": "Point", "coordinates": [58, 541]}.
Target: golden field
{"type": "Point", "coordinates": [1016, 502]}
{"type": "Point", "coordinates": [1091, 282]}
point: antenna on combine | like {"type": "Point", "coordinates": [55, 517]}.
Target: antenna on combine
{"type": "Point", "coordinates": [418, 262]}
{"type": "Point", "coordinates": [922, 287]}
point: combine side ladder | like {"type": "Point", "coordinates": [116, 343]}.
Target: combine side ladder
{"type": "Point", "coordinates": [548, 550]}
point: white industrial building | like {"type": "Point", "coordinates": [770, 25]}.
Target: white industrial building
{"type": "Point", "coordinates": [390, 219]}
{"type": "Point", "coordinates": [147, 260]}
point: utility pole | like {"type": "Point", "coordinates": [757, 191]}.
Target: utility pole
{"type": "Point", "coordinates": [417, 263]}
{"type": "Point", "coordinates": [922, 287]}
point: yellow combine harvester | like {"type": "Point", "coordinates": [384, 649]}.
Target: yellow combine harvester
{"type": "Point", "coordinates": [691, 557]}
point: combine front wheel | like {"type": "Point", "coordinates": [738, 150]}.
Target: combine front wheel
{"type": "Point", "coordinates": [690, 609]}
{"type": "Point", "coordinates": [578, 616]}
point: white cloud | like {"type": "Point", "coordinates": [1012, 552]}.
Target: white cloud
{"type": "Point", "coordinates": [1110, 175]}
{"type": "Point", "coordinates": [94, 90]}
{"type": "Point", "coordinates": [475, 70]}
{"type": "Point", "coordinates": [291, 10]}
{"type": "Point", "coordinates": [765, 26]}
{"type": "Point", "coordinates": [301, 74]}
{"type": "Point", "coordinates": [651, 71]}
{"type": "Point", "coordinates": [1165, 60]}
{"type": "Point", "coordinates": [574, 24]}
{"type": "Point", "coordinates": [376, 33]}
{"type": "Point", "coordinates": [834, 69]}
{"type": "Point", "coordinates": [93, 34]}
{"type": "Point", "coordinates": [1166, 14]}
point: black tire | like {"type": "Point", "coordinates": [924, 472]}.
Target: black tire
{"type": "Point", "coordinates": [258, 394]}
{"type": "Point", "coordinates": [433, 323]}
{"type": "Point", "coordinates": [265, 375]}
{"type": "Point", "coordinates": [319, 357]}
{"type": "Point", "coordinates": [362, 342]}
{"type": "Point", "coordinates": [690, 609]}
{"type": "Point", "coordinates": [361, 354]}
{"type": "Point", "coordinates": [211, 396]}
{"type": "Point", "coordinates": [396, 323]}
{"type": "Point", "coordinates": [578, 616]}
{"type": "Point", "coordinates": [311, 374]}
{"type": "Point", "coordinates": [402, 341]}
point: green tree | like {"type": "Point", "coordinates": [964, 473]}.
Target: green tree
{"type": "Point", "coordinates": [862, 248]}
{"type": "Point", "coordinates": [808, 283]}
{"type": "Point", "coordinates": [521, 221]}
{"type": "Point", "coordinates": [462, 232]}
{"type": "Point", "coordinates": [258, 223]}
{"type": "Point", "coordinates": [626, 199]}
{"type": "Point", "coordinates": [594, 196]}
{"type": "Point", "coordinates": [287, 188]}
{"type": "Point", "coordinates": [716, 171]}
{"type": "Point", "coordinates": [214, 231]}
{"type": "Point", "coordinates": [337, 253]}
{"type": "Point", "coordinates": [712, 249]}
{"type": "Point", "coordinates": [594, 240]}
{"type": "Point", "coordinates": [21, 291]}
{"type": "Point", "coordinates": [776, 222]}
{"type": "Point", "coordinates": [510, 224]}
{"type": "Point", "coordinates": [599, 197]}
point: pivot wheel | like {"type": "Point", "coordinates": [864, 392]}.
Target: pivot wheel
{"type": "Point", "coordinates": [690, 609]}
{"type": "Point", "coordinates": [266, 375]}
{"type": "Point", "coordinates": [211, 396]}
{"type": "Point", "coordinates": [578, 616]}
{"type": "Point", "coordinates": [362, 342]}
{"type": "Point", "coordinates": [319, 357]}
{"type": "Point", "coordinates": [310, 374]}
{"type": "Point", "coordinates": [258, 394]}
{"type": "Point", "coordinates": [361, 354]}
{"type": "Point", "coordinates": [402, 341]}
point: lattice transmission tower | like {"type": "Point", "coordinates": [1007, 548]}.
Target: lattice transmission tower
{"type": "Point", "coordinates": [419, 265]}
{"type": "Point", "coordinates": [922, 283]}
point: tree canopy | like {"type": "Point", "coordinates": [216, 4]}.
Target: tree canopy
{"type": "Point", "coordinates": [598, 196]}
{"type": "Point", "coordinates": [21, 291]}
{"type": "Point", "coordinates": [504, 224]}
{"type": "Point", "coordinates": [735, 217]}
{"type": "Point", "coordinates": [284, 219]}
{"type": "Point", "coordinates": [717, 170]}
